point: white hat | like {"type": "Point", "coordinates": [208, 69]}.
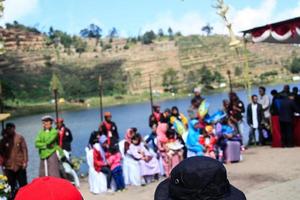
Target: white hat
{"type": "Point", "coordinates": [198, 89]}
{"type": "Point", "coordinates": [47, 118]}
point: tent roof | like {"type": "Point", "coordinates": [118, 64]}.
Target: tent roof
{"type": "Point", "coordinates": [4, 116]}
{"type": "Point", "coordinates": [297, 19]}
{"type": "Point", "coordinates": [286, 32]}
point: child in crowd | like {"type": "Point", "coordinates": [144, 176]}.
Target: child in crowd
{"type": "Point", "coordinates": [149, 165]}
{"type": "Point", "coordinates": [114, 161]}
{"type": "Point", "coordinates": [208, 140]}
{"type": "Point", "coordinates": [174, 146]}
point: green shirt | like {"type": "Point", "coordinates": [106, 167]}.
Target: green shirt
{"type": "Point", "coordinates": [46, 143]}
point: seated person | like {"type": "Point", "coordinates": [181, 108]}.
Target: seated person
{"type": "Point", "coordinates": [208, 140]}
{"type": "Point", "coordinates": [149, 165]}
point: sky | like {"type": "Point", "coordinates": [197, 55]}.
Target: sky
{"type": "Point", "coordinates": [134, 17]}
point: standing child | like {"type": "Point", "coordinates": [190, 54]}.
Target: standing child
{"type": "Point", "coordinates": [114, 161]}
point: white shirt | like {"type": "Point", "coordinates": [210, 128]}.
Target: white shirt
{"type": "Point", "coordinates": [265, 102]}
{"type": "Point", "coordinates": [254, 116]}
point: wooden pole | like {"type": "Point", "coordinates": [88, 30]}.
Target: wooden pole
{"type": "Point", "coordinates": [151, 93]}
{"type": "Point", "coordinates": [1, 104]}
{"type": "Point", "coordinates": [56, 103]}
{"type": "Point", "coordinates": [100, 97]}
{"type": "Point", "coordinates": [230, 81]}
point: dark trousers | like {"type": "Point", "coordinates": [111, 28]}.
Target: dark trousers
{"type": "Point", "coordinates": [16, 179]}
{"type": "Point", "coordinates": [287, 134]}
{"type": "Point", "coordinates": [117, 173]}
{"type": "Point", "coordinates": [108, 174]}
{"type": "Point", "coordinates": [252, 137]}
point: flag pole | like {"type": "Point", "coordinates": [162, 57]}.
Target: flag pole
{"type": "Point", "coordinates": [100, 97]}
{"type": "Point", "coordinates": [151, 93]}
{"type": "Point", "coordinates": [1, 104]}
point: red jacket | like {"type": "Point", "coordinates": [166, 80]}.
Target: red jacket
{"type": "Point", "coordinates": [98, 161]}
{"type": "Point", "coordinates": [208, 142]}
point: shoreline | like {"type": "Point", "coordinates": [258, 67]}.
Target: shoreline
{"type": "Point", "coordinates": [28, 109]}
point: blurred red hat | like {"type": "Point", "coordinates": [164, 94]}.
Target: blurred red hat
{"type": "Point", "coordinates": [49, 188]}
{"type": "Point", "coordinates": [107, 114]}
{"type": "Point", "coordinates": [59, 120]}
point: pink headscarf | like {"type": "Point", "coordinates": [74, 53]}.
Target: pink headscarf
{"type": "Point", "coordinates": [161, 132]}
{"type": "Point", "coordinates": [128, 135]}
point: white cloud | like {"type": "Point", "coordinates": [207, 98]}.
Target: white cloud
{"type": "Point", "coordinates": [250, 17]}
{"type": "Point", "coordinates": [190, 23]}
{"type": "Point", "coordinates": [242, 19]}
{"type": "Point", "coordinates": [16, 9]}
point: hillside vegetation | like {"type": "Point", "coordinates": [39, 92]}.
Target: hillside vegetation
{"type": "Point", "coordinates": [176, 64]}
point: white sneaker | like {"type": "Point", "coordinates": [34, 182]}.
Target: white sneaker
{"type": "Point", "coordinates": [110, 191]}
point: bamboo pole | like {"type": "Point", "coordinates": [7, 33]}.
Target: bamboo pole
{"type": "Point", "coordinates": [151, 93]}
{"type": "Point", "coordinates": [100, 97]}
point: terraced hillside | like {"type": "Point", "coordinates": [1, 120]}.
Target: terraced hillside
{"type": "Point", "coordinates": [28, 69]}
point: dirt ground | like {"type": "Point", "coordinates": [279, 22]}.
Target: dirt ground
{"type": "Point", "coordinates": [260, 169]}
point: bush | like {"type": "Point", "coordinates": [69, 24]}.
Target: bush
{"type": "Point", "coordinates": [106, 46]}
{"type": "Point", "coordinates": [238, 71]}
{"type": "Point", "coordinates": [148, 37]}
{"type": "Point", "coordinates": [295, 66]}
{"type": "Point", "coordinates": [268, 74]}
{"type": "Point", "coordinates": [126, 47]}
{"type": "Point", "coordinates": [170, 80]}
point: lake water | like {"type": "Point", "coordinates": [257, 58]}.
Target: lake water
{"type": "Point", "coordinates": [83, 122]}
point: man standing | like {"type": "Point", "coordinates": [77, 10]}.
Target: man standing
{"type": "Point", "coordinates": [254, 118]}
{"type": "Point", "coordinates": [287, 110]}
{"type": "Point", "coordinates": [65, 137]}
{"type": "Point", "coordinates": [15, 154]}
{"type": "Point", "coordinates": [236, 112]}
{"type": "Point", "coordinates": [197, 95]}
{"type": "Point", "coordinates": [193, 109]}
{"type": "Point", "coordinates": [110, 130]}
{"type": "Point", "coordinates": [264, 100]}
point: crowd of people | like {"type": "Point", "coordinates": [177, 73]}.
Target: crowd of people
{"type": "Point", "coordinates": [137, 159]}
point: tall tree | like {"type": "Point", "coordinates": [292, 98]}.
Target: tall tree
{"type": "Point", "coordinates": [207, 29]}
{"type": "Point", "coordinates": [92, 31]}
{"type": "Point", "coordinates": [160, 32]}
{"type": "Point", "coordinates": [171, 34]}
{"type": "Point", "coordinates": [113, 33]}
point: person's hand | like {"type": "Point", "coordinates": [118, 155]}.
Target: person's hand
{"type": "Point", "coordinates": [24, 165]}
{"type": "Point", "coordinates": [109, 134]}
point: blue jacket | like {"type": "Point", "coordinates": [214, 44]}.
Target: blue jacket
{"type": "Point", "coordinates": [192, 141]}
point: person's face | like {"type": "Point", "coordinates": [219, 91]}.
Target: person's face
{"type": "Point", "coordinates": [261, 92]}
{"type": "Point", "coordinates": [47, 124]}
{"type": "Point", "coordinates": [286, 88]}
{"type": "Point", "coordinates": [158, 109]}
{"type": "Point", "coordinates": [108, 118]}
{"type": "Point", "coordinates": [10, 131]}
{"type": "Point", "coordinates": [59, 124]}
{"type": "Point", "coordinates": [254, 100]}
{"type": "Point", "coordinates": [226, 104]}
{"type": "Point", "coordinates": [135, 142]}
{"type": "Point", "coordinates": [295, 91]}
{"type": "Point", "coordinates": [174, 112]}
{"type": "Point", "coordinates": [197, 94]}
{"type": "Point", "coordinates": [167, 114]}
